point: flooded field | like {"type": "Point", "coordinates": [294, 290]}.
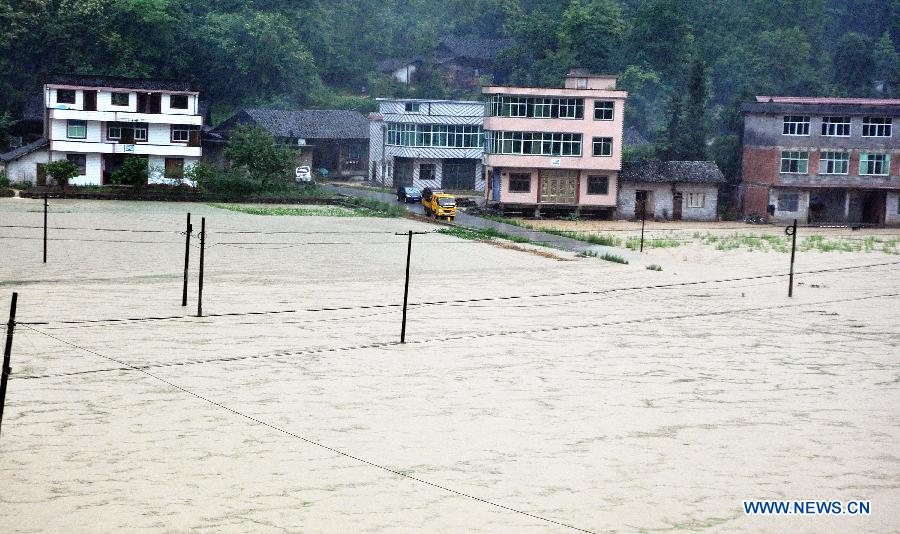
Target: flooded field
{"type": "Point", "coordinates": [535, 393]}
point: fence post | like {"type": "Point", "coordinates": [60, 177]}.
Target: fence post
{"type": "Point", "coordinates": [187, 259]}
{"type": "Point", "coordinates": [643, 218]}
{"type": "Point", "coordinates": [7, 351]}
{"type": "Point", "coordinates": [45, 227]}
{"type": "Point", "coordinates": [406, 285]}
{"type": "Point", "coordinates": [792, 231]}
{"type": "Point", "coordinates": [202, 250]}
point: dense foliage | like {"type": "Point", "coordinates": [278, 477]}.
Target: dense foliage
{"type": "Point", "coordinates": [323, 53]}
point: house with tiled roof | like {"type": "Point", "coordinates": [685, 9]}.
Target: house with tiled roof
{"type": "Point", "coordinates": [669, 190]}
{"type": "Point", "coordinates": [335, 140]}
{"type": "Point", "coordinates": [822, 159]}
{"type": "Point", "coordinates": [463, 60]}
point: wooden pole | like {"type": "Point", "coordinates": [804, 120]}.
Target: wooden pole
{"type": "Point", "coordinates": [45, 228]}
{"type": "Point", "coordinates": [202, 250]}
{"type": "Point", "coordinates": [792, 231]}
{"type": "Point", "coordinates": [7, 352]}
{"type": "Point", "coordinates": [187, 259]}
{"type": "Point", "coordinates": [406, 288]}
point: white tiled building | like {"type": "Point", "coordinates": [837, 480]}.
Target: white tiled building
{"type": "Point", "coordinates": [97, 122]}
{"type": "Point", "coordinates": [427, 143]}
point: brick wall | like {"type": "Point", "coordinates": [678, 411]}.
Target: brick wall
{"type": "Point", "coordinates": [759, 167]}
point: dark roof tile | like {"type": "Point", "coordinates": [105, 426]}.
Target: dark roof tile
{"type": "Point", "coordinates": [306, 124]}
{"type": "Point", "coordinates": [149, 84]}
{"type": "Point", "coordinates": [703, 172]}
{"type": "Point", "coordinates": [24, 150]}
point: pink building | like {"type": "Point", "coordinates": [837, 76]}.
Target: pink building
{"type": "Point", "coordinates": [555, 149]}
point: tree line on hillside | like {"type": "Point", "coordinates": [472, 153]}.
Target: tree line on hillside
{"type": "Point", "coordinates": [685, 63]}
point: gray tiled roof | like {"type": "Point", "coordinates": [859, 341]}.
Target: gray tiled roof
{"type": "Point", "coordinates": [150, 84]}
{"type": "Point", "coordinates": [306, 124]}
{"type": "Point", "coordinates": [24, 150]}
{"type": "Point", "coordinates": [474, 48]}
{"type": "Point", "coordinates": [701, 172]}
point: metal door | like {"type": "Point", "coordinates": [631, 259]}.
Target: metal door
{"type": "Point", "coordinates": [559, 187]}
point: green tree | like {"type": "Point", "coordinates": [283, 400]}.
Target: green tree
{"type": "Point", "coordinates": [670, 147]}
{"type": "Point", "coordinates": [661, 37]}
{"type": "Point", "coordinates": [256, 153]}
{"type": "Point", "coordinates": [853, 64]}
{"type": "Point", "coordinates": [592, 33]}
{"type": "Point", "coordinates": [694, 127]}
{"type": "Point", "coordinates": [61, 171]}
{"type": "Point", "coordinates": [886, 62]}
{"type": "Point", "coordinates": [134, 172]}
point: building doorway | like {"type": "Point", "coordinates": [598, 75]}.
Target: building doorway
{"type": "Point", "coordinates": [873, 207]}
{"type": "Point", "coordinates": [643, 204]}
{"type": "Point", "coordinates": [111, 163]}
{"type": "Point", "coordinates": [677, 202]}
{"type": "Point", "coordinates": [559, 187]}
{"type": "Point", "coordinates": [458, 174]}
{"type": "Point", "coordinates": [403, 172]}
{"type": "Point", "coordinates": [827, 206]}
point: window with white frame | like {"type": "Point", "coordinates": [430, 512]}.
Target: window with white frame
{"type": "Point", "coordinates": [696, 200]}
{"type": "Point", "coordinates": [603, 146]}
{"type": "Point", "coordinates": [181, 133]}
{"type": "Point", "coordinates": [76, 129]}
{"type": "Point", "coordinates": [794, 161]}
{"type": "Point", "coordinates": [834, 162]}
{"type": "Point", "coordinates": [435, 135]}
{"type": "Point", "coordinates": [536, 107]}
{"type": "Point", "coordinates": [836, 126]}
{"type": "Point", "coordinates": [80, 161]}
{"type": "Point", "coordinates": [874, 164]}
{"type": "Point", "coordinates": [113, 131]}
{"type": "Point", "coordinates": [120, 99]}
{"type": "Point", "coordinates": [411, 107]}
{"type": "Point", "coordinates": [603, 110]}
{"type": "Point", "coordinates": [796, 125]}
{"type": "Point", "coordinates": [140, 132]}
{"type": "Point", "coordinates": [178, 101]}
{"type": "Point", "coordinates": [533, 143]}
{"type": "Point", "coordinates": [876, 127]}
{"type": "Point", "coordinates": [65, 96]}
{"type": "Point", "coordinates": [788, 201]}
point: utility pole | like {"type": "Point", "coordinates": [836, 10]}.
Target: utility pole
{"type": "Point", "coordinates": [406, 285]}
{"type": "Point", "coordinates": [792, 231]}
{"type": "Point", "coordinates": [187, 259]}
{"type": "Point", "coordinates": [7, 352]}
{"type": "Point", "coordinates": [202, 250]}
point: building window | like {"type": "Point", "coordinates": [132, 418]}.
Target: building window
{"type": "Point", "coordinates": [427, 171]}
{"type": "Point", "coordinates": [120, 99]}
{"type": "Point", "coordinates": [874, 164]}
{"type": "Point", "coordinates": [834, 163]}
{"type": "Point", "coordinates": [788, 201]}
{"type": "Point", "coordinates": [113, 131]}
{"type": "Point", "coordinates": [519, 183]}
{"type": "Point", "coordinates": [536, 107]}
{"type": "Point", "coordinates": [140, 132]}
{"type": "Point", "coordinates": [598, 185]}
{"type": "Point", "coordinates": [65, 96]}
{"type": "Point", "coordinates": [836, 126]}
{"type": "Point", "coordinates": [793, 161]}
{"type": "Point", "coordinates": [603, 146]}
{"type": "Point", "coordinates": [876, 127]}
{"type": "Point", "coordinates": [411, 107]}
{"type": "Point", "coordinates": [80, 161]}
{"type": "Point", "coordinates": [180, 133]}
{"type": "Point", "coordinates": [178, 101]}
{"type": "Point", "coordinates": [696, 200]}
{"type": "Point", "coordinates": [353, 153]}
{"type": "Point", "coordinates": [174, 168]}
{"type": "Point", "coordinates": [796, 125]}
{"type": "Point", "coordinates": [76, 129]}
{"type": "Point", "coordinates": [533, 143]}
{"type": "Point", "coordinates": [603, 110]}
{"type": "Point", "coordinates": [435, 135]}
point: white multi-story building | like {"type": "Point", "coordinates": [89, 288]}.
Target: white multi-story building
{"type": "Point", "coordinates": [98, 122]}
{"type": "Point", "coordinates": [427, 143]}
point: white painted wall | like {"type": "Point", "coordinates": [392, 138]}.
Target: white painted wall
{"type": "Point", "coordinates": [24, 169]}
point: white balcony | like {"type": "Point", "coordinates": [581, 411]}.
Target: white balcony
{"type": "Point", "coordinates": [140, 149]}
{"type": "Point", "coordinates": [125, 116]}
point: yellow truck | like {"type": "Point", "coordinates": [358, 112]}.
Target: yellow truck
{"type": "Point", "coordinates": [439, 204]}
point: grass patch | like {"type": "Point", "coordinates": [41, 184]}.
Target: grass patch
{"type": "Point", "coordinates": [278, 211]}
{"type": "Point", "coordinates": [614, 258]}
{"type": "Point", "coordinates": [777, 243]}
{"type": "Point", "coordinates": [587, 254]}
{"type": "Point", "coordinates": [654, 267]}
{"type": "Point", "coordinates": [634, 243]}
{"type": "Point", "coordinates": [377, 208]}
{"type": "Point", "coordinates": [482, 234]}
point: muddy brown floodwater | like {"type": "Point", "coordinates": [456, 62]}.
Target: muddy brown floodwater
{"type": "Point", "coordinates": [591, 399]}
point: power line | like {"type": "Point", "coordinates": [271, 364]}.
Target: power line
{"type": "Point", "coordinates": [469, 300]}
{"type": "Point", "coordinates": [312, 441]}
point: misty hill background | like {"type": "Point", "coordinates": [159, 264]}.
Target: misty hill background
{"type": "Point", "coordinates": [323, 53]}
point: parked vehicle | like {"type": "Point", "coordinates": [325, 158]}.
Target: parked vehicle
{"type": "Point", "coordinates": [406, 193]}
{"type": "Point", "coordinates": [304, 174]}
{"type": "Point", "coordinates": [439, 205]}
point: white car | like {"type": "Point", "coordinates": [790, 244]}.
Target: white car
{"type": "Point", "coordinates": [303, 174]}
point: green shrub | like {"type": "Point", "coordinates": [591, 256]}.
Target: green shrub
{"type": "Point", "coordinates": [4, 180]}
{"type": "Point", "coordinates": [614, 258]}
{"type": "Point", "coordinates": [133, 172]}
{"type": "Point", "coordinates": [654, 267]}
{"type": "Point", "coordinates": [7, 193]}
{"type": "Point", "coordinates": [21, 186]}
{"type": "Point", "coordinates": [61, 171]}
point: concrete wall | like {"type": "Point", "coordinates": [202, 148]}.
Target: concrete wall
{"type": "Point", "coordinates": [24, 169]}
{"type": "Point", "coordinates": [788, 216]}
{"type": "Point", "coordinates": [661, 201]}
{"type": "Point", "coordinates": [892, 215]}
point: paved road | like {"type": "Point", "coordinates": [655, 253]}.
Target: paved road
{"type": "Point", "coordinates": [471, 221]}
